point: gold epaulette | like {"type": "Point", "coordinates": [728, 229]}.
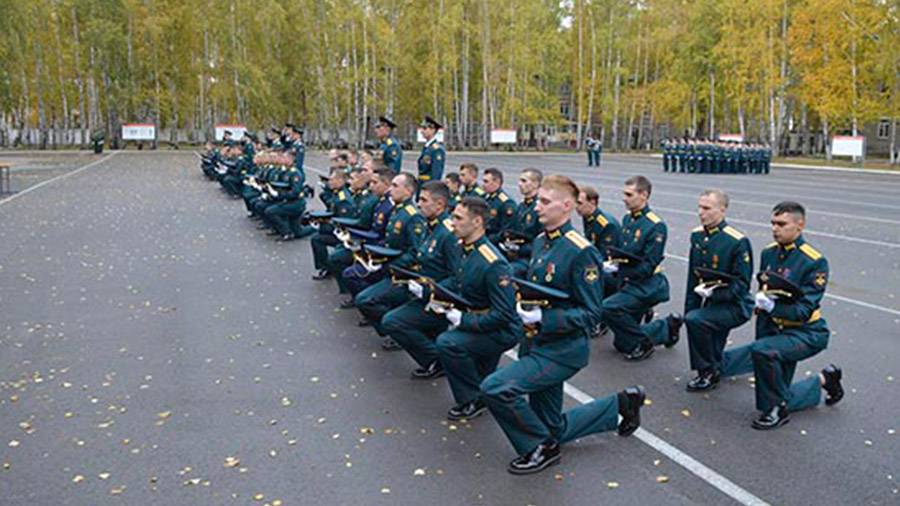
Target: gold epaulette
{"type": "Point", "coordinates": [602, 220]}
{"type": "Point", "coordinates": [698, 229]}
{"type": "Point", "coordinates": [410, 209]}
{"type": "Point", "coordinates": [341, 195]}
{"type": "Point", "coordinates": [389, 142]}
{"type": "Point", "coordinates": [653, 217]}
{"type": "Point", "coordinates": [479, 190]}
{"type": "Point", "coordinates": [733, 232]}
{"type": "Point", "coordinates": [577, 239]}
{"type": "Point", "coordinates": [449, 224]}
{"type": "Point", "coordinates": [502, 197]}
{"type": "Point", "coordinates": [810, 251]}
{"type": "Point", "coordinates": [486, 252]}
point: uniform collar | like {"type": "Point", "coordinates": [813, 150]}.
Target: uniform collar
{"type": "Point", "coordinates": [640, 212]}
{"type": "Point", "coordinates": [800, 241]}
{"type": "Point", "coordinates": [404, 203]}
{"type": "Point", "coordinates": [468, 248]}
{"type": "Point", "coordinates": [528, 200]}
{"type": "Point", "coordinates": [559, 232]}
{"type": "Point", "coordinates": [437, 219]}
{"type": "Point", "coordinates": [716, 228]}
{"type": "Point", "coordinates": [431, 141]}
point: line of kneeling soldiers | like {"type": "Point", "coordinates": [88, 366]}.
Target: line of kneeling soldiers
{"type": "Point", "coordinates": [457, 274]}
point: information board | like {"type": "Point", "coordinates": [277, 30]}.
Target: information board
{"type": "Point", "coordinates": [502, 136]}
{"type": "Point", "coordinates": [848, 145]}
{"type": "Point", "coordinates": [237, 131]}
{"type": "Point", "coordinates": [138, 132]}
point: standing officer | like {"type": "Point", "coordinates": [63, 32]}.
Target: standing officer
{"type": "Point", "coordinates": [431, 161]}
{"type": "Point", "coordinates": [643, 283]}
{"type": "Point", "coordinates": [589, 148]}
{"type": "Point", "coordinates": [789, 325]}
{"type": "Point", "coordinates": [391, 152]}
{"type": "Point", "coordinates": [718, 296]}
{"type": "Point", "coordinates": [438, 257]}
{"type": "Point", "coordinates": [471, 349]}
{"type": "Point", "coordinates": [525, 223]}
{"type": "Point", "coordinates": [526, 396]}
{"type": "Point", "coordinates": [502, 207]}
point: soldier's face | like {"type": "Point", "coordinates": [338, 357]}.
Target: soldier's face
{"type": "Point", "coordinates": [430, 206]}
{"type": "Point", "coordinates": [585, 207]}
{"type": "Point", "coordinates": [491, 183]}
{"type": "Point", "coordinates": [710, 210]}
{"type": "Point", "coordinates": [786, 228]}
{"type": "Point", "coordinates": [467, 177]}
{"type": "Point", "coordinates": [358, 181]}
{"type": "Point", "coordinates": [527, 186]}
{"type": "Point", "coordinates": [452, 185]}
{"type": "Point", "coordinates": [399, 191]}
{"type": "Point", "coordinates": [380, 187]}
{"type": "Point", "coordinates": [465, 224]}
{"type": "Point", "coordinates": [336, 181]}
{"type": "Point", "coordinates": [633, 199]}
{"type": "Point", "coordinates": [381, 131]}
{"type": "Point", "coordinates": [553, 207]}
{"type": "Point", "coordinates": [428, 132]}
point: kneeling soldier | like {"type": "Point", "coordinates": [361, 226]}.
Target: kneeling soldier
{"type": "Point", "coordinates": [789, 325]}
{"type": "Point", "coordinates": [559, 303]}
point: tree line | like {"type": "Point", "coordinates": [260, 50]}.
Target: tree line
{"type": "Point", "coordinates": [632, 71]}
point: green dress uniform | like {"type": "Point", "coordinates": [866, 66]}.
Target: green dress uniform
{"type": "Point", "coordinates": [793, 331]}
{"type": "Point", "coordinates": [431, 161]}
{"type": "Point", "coordinates": [643, 285]}
{"type": "Point", "coordinates": [724, 249]}
{"type": "Point", "coordinates": [288, 206]}
{"type": "Point", "coordinates": [526, 396]}
{"type": "Point", "coordinates": [503, 212]}
{"type": "Point", "coordinates": [404, 232]}
{"type": "Point", "coordinates": [435, 254]}
{"type": "Point", "coordinates": [344, 205]}
{"type": "Point", "coordinates": [392, 154]}
{"type": "Point", "coordinates": [342, 258]}
{"type": "Point", "coordinates": [471, 351]}
{"type": "Point", "coordinates": [471, 191]}
{"type": "Point", "coordinates": [525, 222]}
{"type": "Point", "coordinates": [438, 257]}
{"type": "Point", "coordinates": [604, 230]}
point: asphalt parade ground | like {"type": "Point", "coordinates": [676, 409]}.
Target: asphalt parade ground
{"type": "Point", "coordinates": [156, 348]}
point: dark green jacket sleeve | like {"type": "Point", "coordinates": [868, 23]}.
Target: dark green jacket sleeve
{"type": "Point", "coordinates": [586, 285]}
{"type": "Point", "coordinates": [502, 296]}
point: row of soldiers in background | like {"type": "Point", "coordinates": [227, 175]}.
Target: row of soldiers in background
{"type": "Point", "coordinates": [705, 156]}
{"type": "Point", "coordinates": [466, 273]}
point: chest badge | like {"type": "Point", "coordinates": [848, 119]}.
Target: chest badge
{"type": "Point", "coordinates": [715, 261]}
{"type": "Point", "coordinates": [551, 270]}
{"type": "Point", "coordinates": [637, 234]}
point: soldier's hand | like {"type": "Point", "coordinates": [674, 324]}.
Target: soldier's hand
{"type": "Point", "coordinates": [415, 288]}
{"type": "Point", "coordinates": [610, 267]}
{"type": "Point", "coordinates": [371, 266]}
{"type": "Point", "coordinates": [342, 235]}
{"type": "Point", "coordinates": [764, 302]}
{"type": "Point", "coordinates": [454, 316]}
{"type": "Point", "coordinates": [704, 291]}
{"type": "Point", "coordinates": [529, 317]}
{"type": "Point", "coordinates": [509, 247]}
{"type": "Point", "coordinates": [435, 308]}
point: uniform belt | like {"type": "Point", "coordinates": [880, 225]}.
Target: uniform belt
{"type": "Point", "coordinates": [790, 324]}
{"type": "Point", "coordinates": [479, 311]}
{"type": "Point", "coordinates": [659, 268]}
{"type": "Point", "coordinates": [424, 177]}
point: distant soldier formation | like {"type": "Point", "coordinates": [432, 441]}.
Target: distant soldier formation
{"type": "Point", "coordinates": [455, 272]}
{"type": "Point", "coordinates": [706, 156]}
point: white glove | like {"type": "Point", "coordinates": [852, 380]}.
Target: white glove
{"type": "Point", "coordinates": [435, 308]}
{"type": "Point", "coordinates": [704, 291]}
{"type": "Point", "coordinates": [509, 246]}
{"type": "Point", "coordinates": [454, 316]}
{"type": "Point", "coordinates": [415, 288]}
{"type": "Point", "coordinates": [314, 225]}
{"type": "Point", "coordinates": [529, 317]}
{"type": "Point", "coordinates": [610, 267]}
{"type": "Point", "coordinates": [341, 234]}
{"type": "Point", "coordinates": [765, 302]}
{"type": "Point", "coordinates": [371, 266]}
{"type": "Point", "coordinates": [354, 246]}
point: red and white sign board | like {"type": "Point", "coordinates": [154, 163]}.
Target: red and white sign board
{"type": "Point", "coordinates": [503, 136]}
{"type": "Point", "coordinates": [138, 132]}
{"type": "Point", "coordinates": [848, 145]}
{"type": "Point", "coordinates": [731, 137]}
{"type": "Point", "coordinates": [237, 131]}
{"type": "Point", "coordinates": [421, 138]}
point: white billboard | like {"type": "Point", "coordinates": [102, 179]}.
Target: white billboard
{"type": "Point", "coordinates": [237, 131]}
{"type": "Point", "coordinates": [503, 136]}
{"type": "Point", "coordinates": [138, 132]}
{"type": "Point", "coordinates": [848, 145]}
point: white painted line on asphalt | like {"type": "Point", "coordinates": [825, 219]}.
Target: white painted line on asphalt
{"type": "Point", "coordinates": [57, 178]}
{"type": "Point", "coordinates": [689, 463]}
{"type": "Point", "coordinates": [827, 295]}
